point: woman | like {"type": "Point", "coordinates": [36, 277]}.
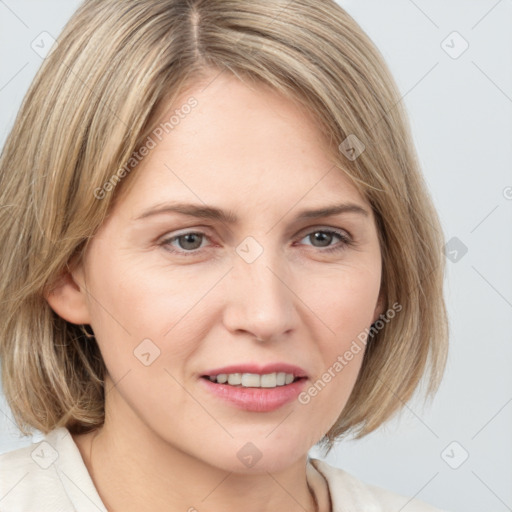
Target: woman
{"type": "Point", "coordinates": [218, 251]}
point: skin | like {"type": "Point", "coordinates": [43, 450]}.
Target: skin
{"type": "Point", "coordinates": [166, 439]}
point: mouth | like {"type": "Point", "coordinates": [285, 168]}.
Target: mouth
{"type": "Point", "coordinates": [251, 375]}
{"type": "Point", "coordinates": [254, 380]}
{"type": "Point", "coordinates": [255, 388]}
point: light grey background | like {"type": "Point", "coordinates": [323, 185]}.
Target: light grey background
{"type": "Point", "coordinates": [460, 110]}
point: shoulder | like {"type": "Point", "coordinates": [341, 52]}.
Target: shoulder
{"type": "Point", "coordinates": [350, 493]}
{"type": "Point", "coordinates": [25, 472]}
{"type": "Point", "coordinates": [45, 476]}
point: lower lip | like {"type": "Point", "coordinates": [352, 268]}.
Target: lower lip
{"type": "Point", "coordinates": [256, 399]}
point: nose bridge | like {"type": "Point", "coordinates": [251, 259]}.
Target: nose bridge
{"type": "Point", "coordinates": [259, 298]}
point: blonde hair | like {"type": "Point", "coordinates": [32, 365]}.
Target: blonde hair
{"type": "Point", "coordinates": [93, 103]}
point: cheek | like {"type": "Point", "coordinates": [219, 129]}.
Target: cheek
{"type": "Point", "coordinates": [347, 307]}
{"type": "Point", "coordinates": [132, 303]}
{"type": "Point", "coordinates": [346, 304]}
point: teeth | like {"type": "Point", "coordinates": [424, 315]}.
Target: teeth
{"type": "Point", "coordinates": [235, 379]}
{"type": "Point", "coordinates": [251, 380]}
{"type": "Point", "coordinates": [254, 380]}
{"type": "Point", "coordinates": [269, 380]}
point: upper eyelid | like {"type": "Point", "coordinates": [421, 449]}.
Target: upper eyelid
{"type": "Point", "coordinates": [324, 228]}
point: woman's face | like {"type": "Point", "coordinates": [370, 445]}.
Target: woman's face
{"type": "Point", "coordinates": [174, 298]}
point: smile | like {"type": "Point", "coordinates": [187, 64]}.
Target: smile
{"type": "Point", "coordinates": [255, 387]}
{"type": "Point", "coordinates": [254, 380]}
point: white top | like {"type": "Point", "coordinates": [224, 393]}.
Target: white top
{"type": "Point", "coordinates": [51, 476]}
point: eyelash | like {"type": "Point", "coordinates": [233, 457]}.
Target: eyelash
{"type": "Point", "coordinates": [346, 241]}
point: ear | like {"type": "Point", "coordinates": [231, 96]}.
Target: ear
{"type": "Point", "coordinates": [68, 299]}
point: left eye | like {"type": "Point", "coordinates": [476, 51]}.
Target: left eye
{"type": "Point", "coordinates": [189, 243]}
{"type": "Point", "coordinates": [328, 235]}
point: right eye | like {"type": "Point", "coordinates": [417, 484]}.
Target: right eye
{"type": "Point", "coordinates": [187, 243]}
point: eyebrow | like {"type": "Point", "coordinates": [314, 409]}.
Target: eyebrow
{"type": "Point", "coordinates": [229, 217]}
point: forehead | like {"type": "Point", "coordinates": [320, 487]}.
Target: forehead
{"type": "Point", "coordinates": [242, 145]}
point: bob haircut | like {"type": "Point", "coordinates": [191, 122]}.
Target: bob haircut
{"type": "Point", "coordinates": [92, 106]}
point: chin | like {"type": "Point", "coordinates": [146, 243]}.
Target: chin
{"type": "Point", "coordinates": [260, 454]}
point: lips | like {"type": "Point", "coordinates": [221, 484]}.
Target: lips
{"type": "Point", "coordinates": [254, 396]}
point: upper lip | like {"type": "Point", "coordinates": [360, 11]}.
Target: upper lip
{"type": "Point", "coordinates": [259, 369]}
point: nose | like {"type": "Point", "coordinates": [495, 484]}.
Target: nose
{"type": "Point", "coordinates": [259, 299]}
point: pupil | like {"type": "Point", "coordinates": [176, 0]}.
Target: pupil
{"type": "Point", "coordinates": [321, 236]}
{"type": "Point", "coordinates": [189, 239]}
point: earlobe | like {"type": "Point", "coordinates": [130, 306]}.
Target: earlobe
{"type": "Point", "coordinates": [68, 300]}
